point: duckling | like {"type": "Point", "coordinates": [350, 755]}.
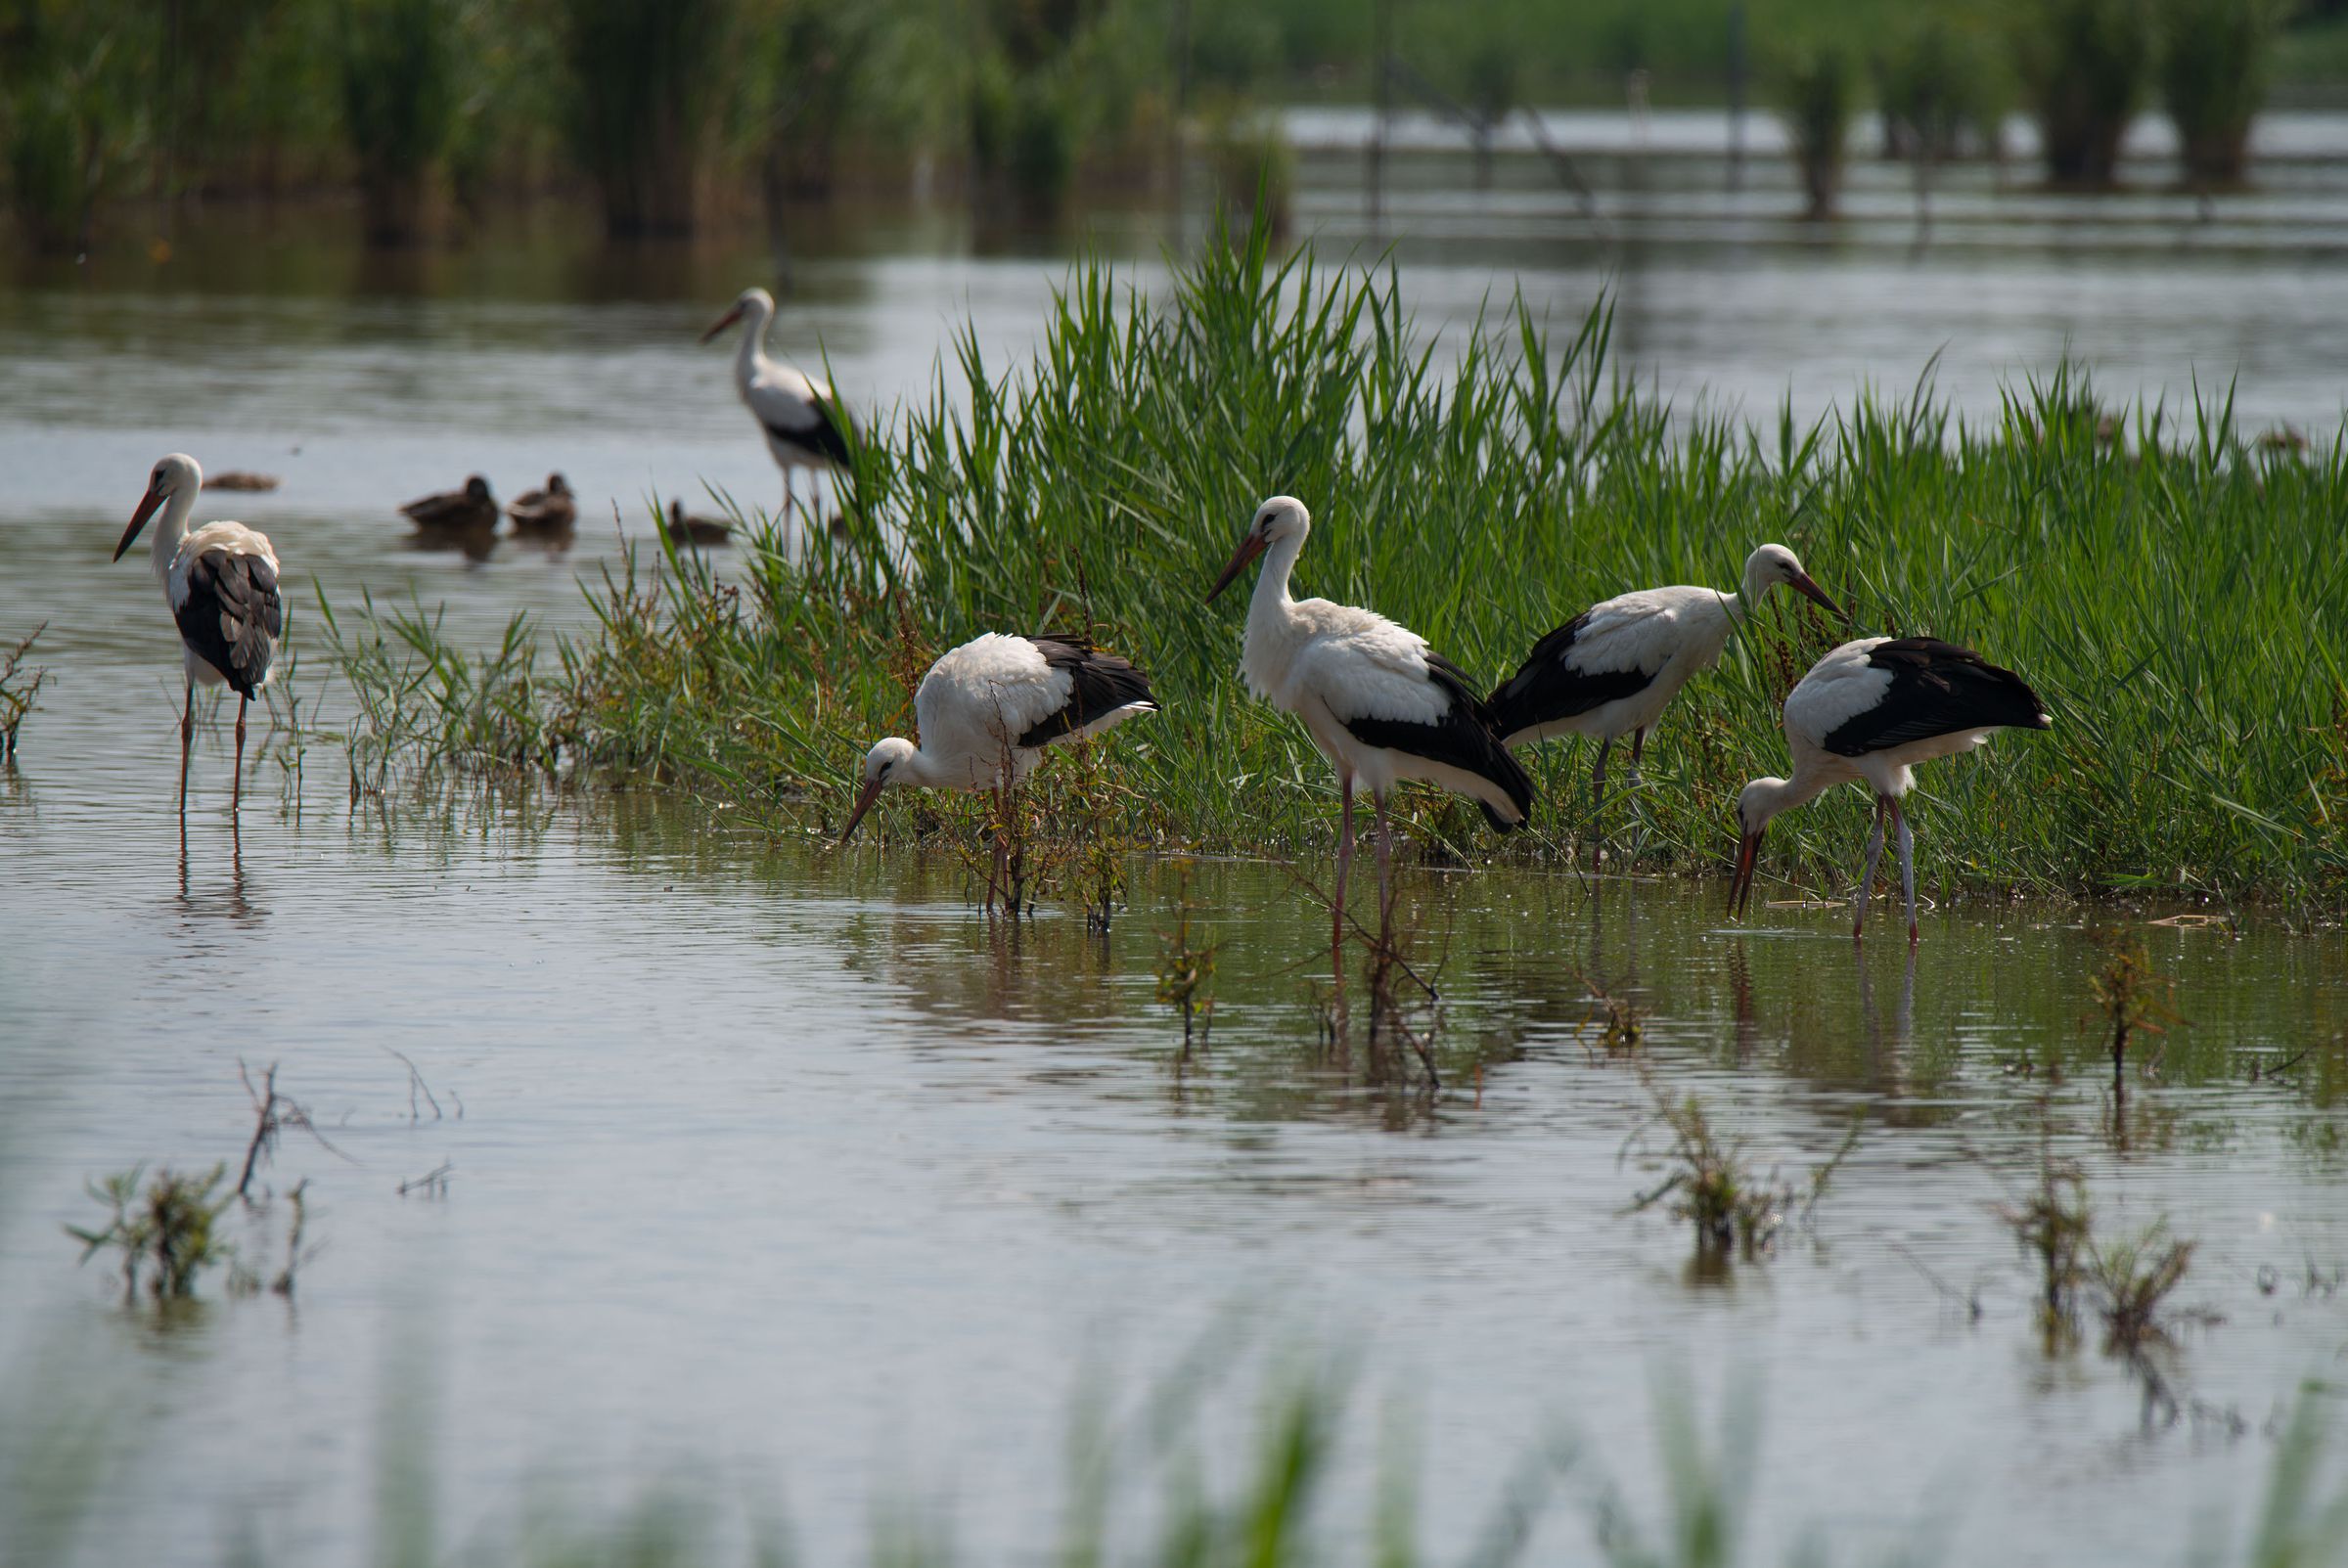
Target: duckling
{"type": "Point", "coordinates": [548, 513]}
{"type": "Point", "coordinates": [690, 533]}
{"type": "Point", "coordinates": [469, 510]}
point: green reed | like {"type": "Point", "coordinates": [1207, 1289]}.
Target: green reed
{"type": "Point", "coordinates": [2174, 591]}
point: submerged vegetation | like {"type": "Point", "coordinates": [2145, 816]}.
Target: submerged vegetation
{"type": "Point", "coordinates": [19, 688]}
{"type": "Point", "coordinates": [2172, 595]}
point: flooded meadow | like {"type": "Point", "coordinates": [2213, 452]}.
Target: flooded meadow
{"type": "Point", "coordinates": [651, 1157]}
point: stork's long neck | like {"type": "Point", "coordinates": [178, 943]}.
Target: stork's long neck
{"type": "Point", "coordinates": [1272, 619]}
{"type": "Point", "coordinates": [752, 349]}
{"type": "Point", "coordinates": [1272, 602]}
{"type": "Point", "coordinates": [168, 531]}
{"type": "Point", "coordinates": [1776, 796]}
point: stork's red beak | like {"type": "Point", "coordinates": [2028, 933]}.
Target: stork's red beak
{"type": "Point", "coordinates": [1250, 548]}
{"type": "Point", "coordinates": [1807, 585]}
{"type": "Point", "coordinates": [1741, 887]}
{"type": "Point", "coordinates": [864, 801]}
{"type": "Point", "coordinates": [722, 323]}
{"type": "Point", "coordinates": [138, 520]}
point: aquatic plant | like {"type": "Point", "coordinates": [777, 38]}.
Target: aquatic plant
{"type": "Point", "coordinates": [1716, 1190]}
{"type": "Point", "coordinates": [1941, 87]}
{"type": "Point", "coordinates": [641, 106]}
{"type": "Point", "coordinates": [2054, 1227]}
{"type": "Point", "coordinates": [2083, 65]}
{"type": "Point", "coordinates": [2134, 999]}
{"type": "Point", "coordinates": [1620, 1022]}
{"type": "Point", "coordinates": [76, 82]}
{"type": "Point", "coordinates": [164, 1232]}
{"type": "Point", "coordinates": [1817, 86]}
{"type": "Point", "coordinates": [19, 688]}
{"type": "Point", "coordinates": [1186, 965]}
{"type": "Point", "coordinates": [397, 60]}
{"type": "Point", "coordinates": [1481, 500]}
{"type": "Point", "coordinates": [1253, 166]}
{"type": "Point", "coordinates": [2132, 1279]}
{"type": "Point", "coordinates": [2214, 60]}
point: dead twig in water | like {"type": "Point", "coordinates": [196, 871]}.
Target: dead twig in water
{"type": "Point", "coordinates": [434, 1181]}
{"type": "Point", "coordinates": [416, 1086]}
{"type": "Point", "coordinates": [273, 1113]}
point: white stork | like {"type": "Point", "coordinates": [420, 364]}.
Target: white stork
{"type": "Point", "coordinates": [221, 584]}
{"type": "Point", "coordinates": [795, 410]}
{"type": "Point", "coordinates": [1380, 704]}
{"type": "Point", "coordinates": [1612, 670]}
{"type": "Point", "coordinates": [1868, 712]}
{"type": "Point", "coordinates": [987, 709]}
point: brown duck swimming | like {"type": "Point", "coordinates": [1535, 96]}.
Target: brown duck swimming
{"type": "Point", "coordinates": [690, 531]}
{"type": "Point", "coordinates": [241, 479]}
{"type": "Point", "coordinates": [548, 513]}
{"type": "Point", "coordinates": [469, 510]}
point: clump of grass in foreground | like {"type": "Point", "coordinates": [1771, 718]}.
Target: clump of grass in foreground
{"type": "Point", "coordinates": [1139, 1495]}
{"type": "Point", "coordinates": [2173, 603]}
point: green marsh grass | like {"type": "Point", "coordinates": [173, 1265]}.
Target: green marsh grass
{"type": "Point", "coordinates": [2176, 596]}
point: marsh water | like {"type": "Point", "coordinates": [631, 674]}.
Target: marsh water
{"type": "Point", "coordinates": [781, 1176]}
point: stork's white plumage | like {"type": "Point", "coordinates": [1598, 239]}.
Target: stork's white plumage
{"type": "Point", "coordinates": [1868, 712]}
{"type": "Point", "coordinates": [987, 709]}
{"type": "Point", "coordinates": [221, 584]}
{"type": "Point", "coordinates": [1380, 704]}
{"type": "Point", "coordinates": [796, 411]}
{"type": "Point", "coordinates": [1612, 670]}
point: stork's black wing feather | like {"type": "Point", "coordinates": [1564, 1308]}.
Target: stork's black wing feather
{"type": "Point", "coordinates": [1545, 689]}
{"type": "Point", "coordinates": [1936, 688]}
{"type": "Point", "coordinates": [1460, 739]}
{"type": "Point", "coordinates": [824, 438]}
{"type": "Point", "coordinates": [1101, 684]}
{"type": "Point", "coordinates": [231, 616]}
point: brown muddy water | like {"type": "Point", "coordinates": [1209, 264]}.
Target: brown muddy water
{"type": "Point", "coordinates": [781, 1169]}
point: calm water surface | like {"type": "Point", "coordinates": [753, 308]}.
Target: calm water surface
{"type": "Point", "coordinates": [781, 1169]}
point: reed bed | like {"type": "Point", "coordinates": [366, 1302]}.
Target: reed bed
{"type": "Point", "coordinates": [2171, 586]}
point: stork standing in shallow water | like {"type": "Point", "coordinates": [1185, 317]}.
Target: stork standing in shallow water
{"type": "Point", "coordinates": [794, 410]}
{"type": "Point", "coordinates": [1868, 713]}
{"type": "Point", "coordinates": [987, 709]}
{"type": "Point", "coordinates": [1379, 703]}
{"type": "Point", "coordinates": [221, 584]}
{"type": "Point", "coordinates": [1612, 670]}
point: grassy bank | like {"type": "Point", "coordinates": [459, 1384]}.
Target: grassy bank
{"type": "Point", "coordinates": [2177, 594]}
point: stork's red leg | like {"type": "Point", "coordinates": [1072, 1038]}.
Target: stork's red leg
{"type": "Point", "coordinates": [1385, 866]}
{"type": "Point", "coordinates": [187, 739]}
{"type": "Point", "coordinates": [1337, 903]}
{"type": "Point", "coordinates": [1597, 798]}
{"type": "Point", "coordinates": [1899, 821]}
{"type": "Point", "coordinates": [1867, 878]}
{"type": "Point", "coordinates": [235, 781]}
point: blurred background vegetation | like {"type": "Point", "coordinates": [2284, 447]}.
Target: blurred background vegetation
{"type": "Point", "coordinates": [675, 116]}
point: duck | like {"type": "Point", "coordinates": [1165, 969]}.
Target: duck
{"type": "Point", "coordinates": [548, 513]}
{"type": "Point", "coordinates": [688, 531]}
{"type": "Point", "coordinates": [453, 513]}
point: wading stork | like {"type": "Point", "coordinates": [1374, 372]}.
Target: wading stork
{"type": "Point", "coordinates": [1868, 713]}
{"type": "Point", "coordinates": [1612, 670]}
{"type": "Point", "coordinates": [987, 709]}
{"type": "Point", "coordinates": [221, 584]}
{"type": "Point", "coordinates": [1380, 704]}
{"type": "Point", "coordinates": [796, 411]}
